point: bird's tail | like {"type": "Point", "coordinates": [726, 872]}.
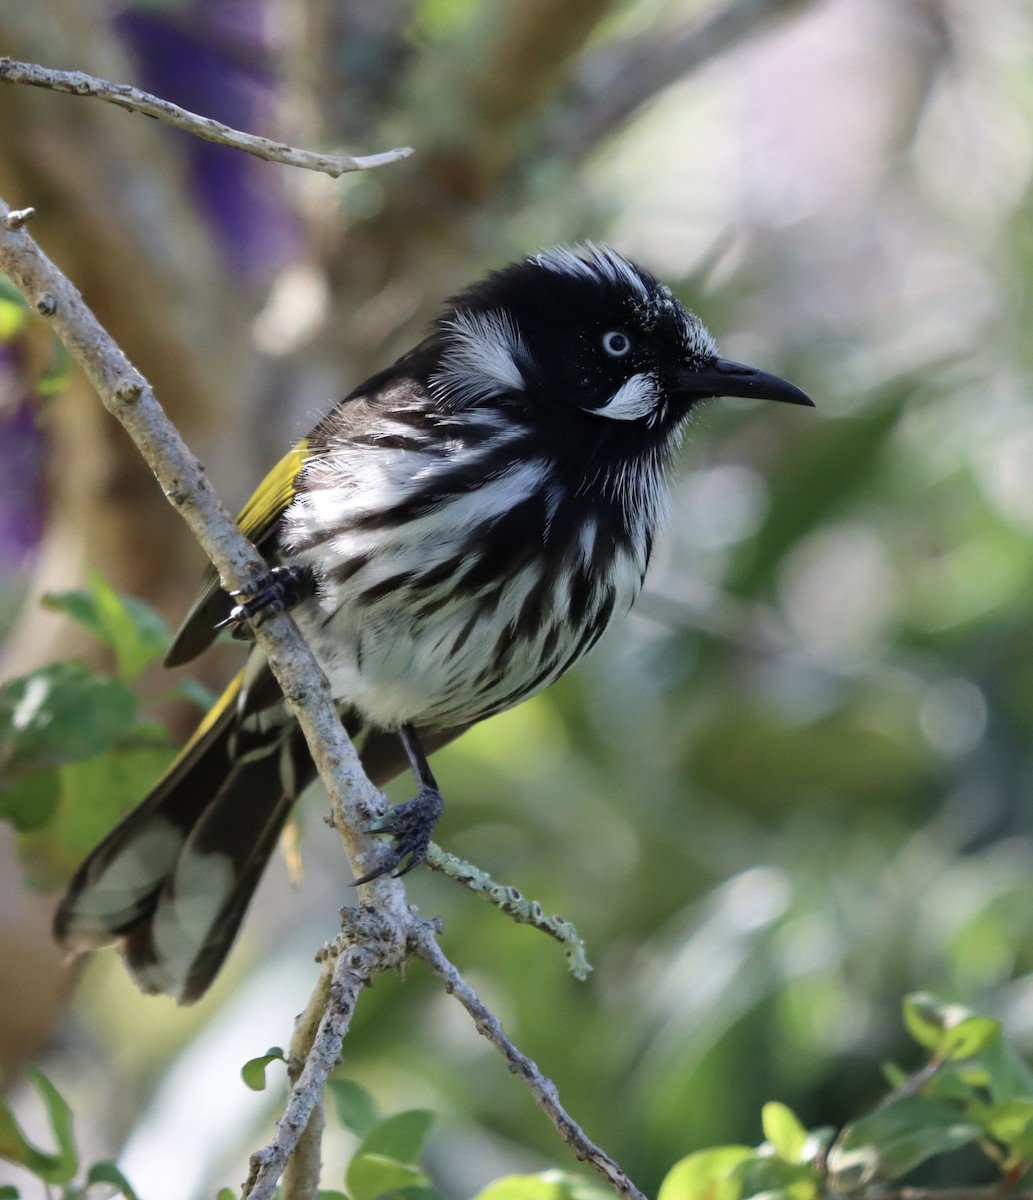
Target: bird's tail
{"type": "Point", "coordinates": [172, 881]}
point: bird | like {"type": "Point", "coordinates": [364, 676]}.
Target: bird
{"type": "Point", "coordinates": [451, 538]}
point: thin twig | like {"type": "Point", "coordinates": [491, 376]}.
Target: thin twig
{"type": "Point", "coordinates": [424, 943]}
{"type": "Point", "coordinates": [78, 83]}
{"type": "Point", "coordinates": [354, 970]}
{"type": "Point", "coordinates": [301, 1174]}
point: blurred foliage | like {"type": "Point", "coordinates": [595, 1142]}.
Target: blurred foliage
{"type": "Point", "coordinates": [74, 748]}
{"type": "Point", "coordinates": [798, 783]}
{"type": "Point", "coordinates": [972, 1091]}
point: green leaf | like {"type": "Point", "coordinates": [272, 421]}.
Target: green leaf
{"type": "Point", "coordinates": [226, 1193]}
{"type": "Point", "coordinates": [706, 1175]}
{"type": "Point", "coordinates": [549, 1185]}
{"type": "Point", "coordinates": [322, 1194]}
{"type": "Point", "coordinates": [955, 1087]}
{"type": "Point", "coordinates": [12, 319]}
{"type": "Point", "coordinates": [388, 1156]}
{"type": "Point", "coordinates": [1007, 1075]}
{"type": "Point", "coordinates": [56, 1168]}
{"type": "Point", "coordinates": [355, 1107]}
{"type": "Point", "coordinates": [400, 1137]}
{"type": "Point", "coordinates": [894, 1139]}
{"type": "Point", "coordinates": [1009, 1122]}
{"type": "Point", "coordinates": [31, 803]}
{"type": "Point", "coordinates": [107, 1172]}
{"type": "Point", "coordinates": [253, 1071]}
{"type": "Point", "coordinates": [442, 18]}
{"type": "Point", "coordinates": [53, 378]}
{"type": "Point", "coordinates": [132, 629]}
{"type": "Point", "coordinates": [9, 1192]}
{"type": "Point", "coordinates": [783, 1130]}
{"type": "Point", "coordinates": [970, 1036]}
{"type": "Point", "coordinates": [923, 1018]}
{"type": "Point", "coordinates": [895, 1075]}
{"type": "Point", "coordinates": [950, 1031]}
{"type": "Point", "coordinates": [372, 1175]}
{"type": "Point", "coordinates": [59, 714]}
{"type": "Point", "coordinates": [80, 605]}
{"type": "Point", "coordinates": [772, 1177]}
{"type": "Point", "coordinates": [94, 794]}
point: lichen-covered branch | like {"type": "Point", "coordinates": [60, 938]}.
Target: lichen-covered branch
{"type": "Point", "coordinates": [515, 905]}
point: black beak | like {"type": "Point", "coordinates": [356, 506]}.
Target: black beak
{"type": "Point", "coordinates": [720, 377]}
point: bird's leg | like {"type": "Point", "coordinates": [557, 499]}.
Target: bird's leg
{"type": "Point", "coordinates": [411, 823]}
{"type": "Point", "coordinates": [277, 592]}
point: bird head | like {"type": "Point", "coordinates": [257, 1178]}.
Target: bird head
{"type": "Point", "coordinates": [583, 332]}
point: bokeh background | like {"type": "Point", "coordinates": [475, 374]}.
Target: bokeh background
{"type": "Point", "coordinates": [796, 783]}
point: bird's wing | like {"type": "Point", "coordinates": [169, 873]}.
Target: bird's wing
{"type": "Point", "coordinates": [258, 521]}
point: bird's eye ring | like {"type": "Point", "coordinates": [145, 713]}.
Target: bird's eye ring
{"type": "Point", "coordinates": [616, 343]}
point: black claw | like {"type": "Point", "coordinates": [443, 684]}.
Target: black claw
{"type": "Point", "coordinates": [411, 825]}
{"type": "Point", "coordinates": [277, 592]}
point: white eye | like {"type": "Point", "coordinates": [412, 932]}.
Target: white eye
{"type": "Point", "coordinates": [616, 343]}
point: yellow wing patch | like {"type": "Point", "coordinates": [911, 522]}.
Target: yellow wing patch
{"type": "Point", "coordinates": [273, 494]}
{"type": "Point", "coordinates": [215, 713]}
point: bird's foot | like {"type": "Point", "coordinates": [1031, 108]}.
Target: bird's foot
{"type": "Point", "coordinates": [410, 825]}
{"type": "Point", "coordinates": [277, 592]}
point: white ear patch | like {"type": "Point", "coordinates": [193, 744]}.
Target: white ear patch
{"type": "Point", "coordinates": [482, 358]}
{"type": "Point", "coordinates": [636, 397]}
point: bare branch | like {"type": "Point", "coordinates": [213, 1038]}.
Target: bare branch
{"type": "Point", "coordinates": [77, 83]}
{"type": "Point", "coordinates": [301, 1174]}
{"type": "Point", "coordinates": [424, 943]}
{"type": "Point", "coordinates": [355, 968]}
{"type": "Point", "coordinates": [622, 79]}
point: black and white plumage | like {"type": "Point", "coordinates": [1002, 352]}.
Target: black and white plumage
{"type": "Point", "coordinates": [456, 534]}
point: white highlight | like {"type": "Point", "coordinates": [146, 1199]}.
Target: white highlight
{"type": "Point", "coordinates": [635, 398]}
{"type": "Point", "coordinates": [482, 358]}
{"type": "Point", "coordinates": [587, 540]}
